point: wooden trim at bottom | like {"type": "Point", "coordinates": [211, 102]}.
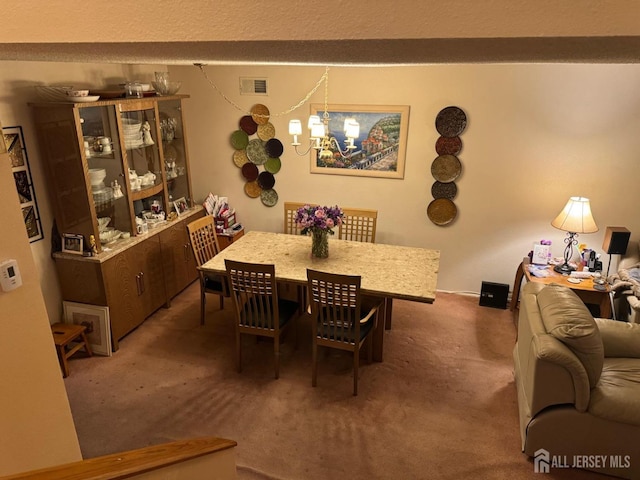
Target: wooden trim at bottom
{"type": "Point", "coordinates": [133, 462]}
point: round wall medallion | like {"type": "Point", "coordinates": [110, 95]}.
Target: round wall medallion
{"type": "Point", "coordinates": [256, 152]}
{"type": "Point", "coordinates": [248, 125]}
{"type": "Point", "coordinates": [266, 180]}
{"type": "Point", "coordinates": [269, 197]}
{"type": "Point", "coordinates": [273, 165]}
{"type": "Point", "coordinates": [444, 190]}
{"type": "Point", "coordinates": [266, 131]}
{"type": "Point", "coordinates": [446, 168]}
{"type": "Point", "coordinates": [239, 139]}
{"type": "Point", "coordinates": [442, 211]}
{"type": "Point", "coordinates": [260, 114]}
{"type": "Point", "coordinates": [448, 145]}
{"type": "Point", "coordinates": [240, 158]}
{"type": "Point", "coordinates": [451, 122]}
{"type": "Point", "coordinates": [250, 171]}
{"type": "Point", "coordinates": [274, 148]}
{"type": "Point", "coordinates": [252, 189]}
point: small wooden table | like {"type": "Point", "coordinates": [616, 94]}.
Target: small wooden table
{"type": "Point", "coordinates": [584, 289]}
{"type": "Point", "coordinates": [63, 335]}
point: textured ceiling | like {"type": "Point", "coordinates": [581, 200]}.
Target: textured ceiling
{"type": "Point", "coordinates": [622, 49]}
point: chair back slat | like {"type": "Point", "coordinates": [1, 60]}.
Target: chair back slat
{"type": "Point", "coordinates": [359, 225]}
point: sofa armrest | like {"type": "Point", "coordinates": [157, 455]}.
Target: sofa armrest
{"type": "Point", "coordinates": [552, 385]}
{"type": "Point", "coordinates": [620, 339]}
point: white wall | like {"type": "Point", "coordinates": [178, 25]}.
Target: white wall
{"type": "Point", "coordinates": [536, 135]}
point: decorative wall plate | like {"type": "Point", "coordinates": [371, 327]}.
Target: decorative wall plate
{"type": "Point", "coordinates": [240, 158]}
{"type": "Point", "coordinates": [266, 131]}
{"type": "Point", "coordinates": [448, 145]}
{"type": "Point", "coordinates": [444, 190]}
{"type": "Point", "coordinates": [446, 168]}
{"type": "Point", "coordinates": [252, 189]}
{"type": "Point", "coordinates": [274, 148]}
{"type": "Point", "coordinates": [239, 139]}
{"type": "Point", "coordinates": [248, 125]}
{"type": "Point", "coordinates": [451, 122]}
{"type": "Point", "coordinates": [269, 197]}
{"type": "Point", "coordinates": [266, 180]}
{"type": "Point", "coordinates": [260, 114]}
{"type": "Point", "coordinates": [250, 171]}
{"type": "Point", "coordinates": [256, 152]}
{"type": "Point", "coordinates": [442, 211]}
{"type": "Point", "coordinates": [273, 165]}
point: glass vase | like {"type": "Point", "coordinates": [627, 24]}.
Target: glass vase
{"type": "Point", "coordinates": [320, 243]}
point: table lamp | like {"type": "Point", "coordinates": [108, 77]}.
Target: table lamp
{"type": "Point", "coordinates": [574, 218]}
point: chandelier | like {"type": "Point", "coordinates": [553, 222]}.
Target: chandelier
{"type": "Point", "coordinates": [320, 139]}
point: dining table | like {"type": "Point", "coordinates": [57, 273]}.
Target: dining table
{"type": "Point", "coordinates": [387, 271]}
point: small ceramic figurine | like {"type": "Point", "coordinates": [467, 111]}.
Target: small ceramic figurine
{"type": "Point", "coordinates": [92, 244]}
{"type": "Point", "coordinates": [146, 134]}
{"type": "Point", "coordinates": [117, 189]}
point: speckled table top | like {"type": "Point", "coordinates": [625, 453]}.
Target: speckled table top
{"type": "Point", "coordinates": [387, 270]}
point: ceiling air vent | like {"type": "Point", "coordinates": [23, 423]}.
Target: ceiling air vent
{"type": "Point", "coordinates": [253, 86]}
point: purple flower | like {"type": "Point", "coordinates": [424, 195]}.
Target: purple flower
{"type": "Point", "coordinates": [310, 218]}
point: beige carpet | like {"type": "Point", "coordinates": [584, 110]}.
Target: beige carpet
{"type": "Point", "coordinates": [442, 405]}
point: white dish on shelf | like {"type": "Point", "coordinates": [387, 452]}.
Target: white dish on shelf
{"type": "Point", "coordinates": [88, 98]}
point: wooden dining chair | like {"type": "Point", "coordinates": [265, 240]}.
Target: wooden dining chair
{"type": "Point", "coordinates": [358, 225]}
{"type": "Point", "coordinates": [341, 316]}
{"type": "Point", "coordinates": [258, 309]}
{"type": "Point", "coordinates": [204, 243]}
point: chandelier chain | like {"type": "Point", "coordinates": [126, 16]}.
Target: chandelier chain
{"type": "Point", "coordinates": [324, 78]}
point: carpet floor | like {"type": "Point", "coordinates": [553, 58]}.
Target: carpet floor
{"type": "Point", "coordinates": [442, 405]}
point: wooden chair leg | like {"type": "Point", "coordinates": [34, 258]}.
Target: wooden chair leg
{"type": "Point", "coordinates": [221, 302]}
{"type": "Point", "coordinates": [356, 362]}
{"type": "Point", "coordinates": [238, 351]}
{"type": "Point", "coordinates": [314, 364]}
{"type": "Point", "coordinates": [276, 355]}
{"type": "Point", "coordinates": [202, 304]}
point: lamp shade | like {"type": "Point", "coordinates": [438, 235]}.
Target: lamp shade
{"type": "Point", "coordinates": [576, 217]}
{"type": "Point", "coordinates": [295, 127]}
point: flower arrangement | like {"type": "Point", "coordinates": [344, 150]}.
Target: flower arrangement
{"type": "Point", "coordinates": [316, 218]}
{"type": "Point", "coordinates": [319, 221]}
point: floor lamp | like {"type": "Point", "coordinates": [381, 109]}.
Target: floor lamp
{"type": "Point", "coordinates": [574, 218]}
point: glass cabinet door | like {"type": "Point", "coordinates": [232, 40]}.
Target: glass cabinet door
{"type": "Point", "coordinates": [140, 131]}
{"type": "Point", "coordinates": [174, 150]}
{"type": "Point", "coordinates": [101, 148]}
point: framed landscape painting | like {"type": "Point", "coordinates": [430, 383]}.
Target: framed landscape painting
{"type": "Point", "coordinates": [380, 148]}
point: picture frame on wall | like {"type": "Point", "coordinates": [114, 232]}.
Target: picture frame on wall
{"type": "Point", "coordinates": [13, 144]}
{"type": "Point", "coordinates": [380, 148]}
{"type": "Point", "coordinates": [96, 319]}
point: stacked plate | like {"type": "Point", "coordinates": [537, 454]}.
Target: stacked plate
{"type": "Point", "coordinates": [132, 133]}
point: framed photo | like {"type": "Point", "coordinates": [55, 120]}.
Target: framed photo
{"type": "Point", "coordinates": [380, 148]}
{"type": "Point", "coordinates": [13, 144]}
{"type": "Point", "coordinates": [181, 205]}
{"type": "Point", "coordinates": [96, 319]}
{"type": "Point", "coordinates": [540, 254]}
{"type": "Point", "coordinates": [72, 243]}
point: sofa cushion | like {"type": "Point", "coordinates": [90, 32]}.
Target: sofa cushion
{"type": "Point", "coordinates": [617, 395]}
{"type": "Point", "coordinates": [566, 318]}
{"type": "Point", "coordinates": [620, 339]}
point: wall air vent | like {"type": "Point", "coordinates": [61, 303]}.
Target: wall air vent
{"type": "Point", "coordinates": [253, 86]}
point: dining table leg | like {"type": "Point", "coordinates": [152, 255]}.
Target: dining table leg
{"type": "Point", "coordinates": [388, 308]}
{"type": "Point", "coordinates": [378, 332]}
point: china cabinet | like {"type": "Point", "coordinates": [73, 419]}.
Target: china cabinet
{"type": "Point", "coordinates": [115, 169]}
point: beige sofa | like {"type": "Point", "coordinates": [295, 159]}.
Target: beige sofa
{"type": "Point", "coordinates": [578, 382]}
